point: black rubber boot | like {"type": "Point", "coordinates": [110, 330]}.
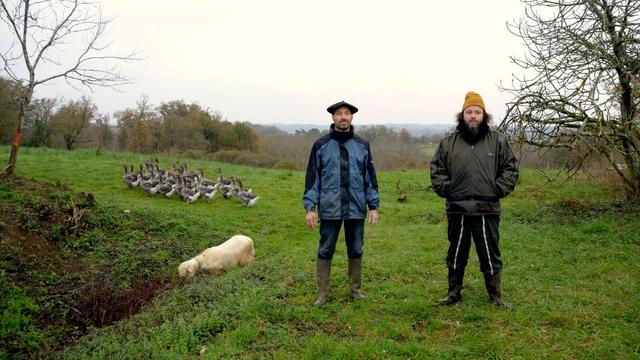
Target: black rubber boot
{"type": "Point", "coordinates": [323, 273]}
{"type": "Point", "coordinates": [355, 266]}
{"type": "Point", "coordinates": [494, 289]}
{"type": "Point", "coordinates": [455, 278]}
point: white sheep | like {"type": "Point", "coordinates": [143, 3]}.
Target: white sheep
{"type": "Point", "coordinates": [236, 251]}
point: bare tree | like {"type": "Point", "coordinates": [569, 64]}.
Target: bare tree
{"type": "Point", "coordinates": [579, 82]}
{"type": "Point", "coordinates": [45, 34]}
{"type": "Point", "coordinates": [103, 135]}
{"type": "Point", "coordinates": [72, 119]}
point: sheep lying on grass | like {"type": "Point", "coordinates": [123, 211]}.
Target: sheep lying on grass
{"type": "Point", "coordinates": [237, 251]}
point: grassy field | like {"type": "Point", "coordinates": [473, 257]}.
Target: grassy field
{"type": "Point", "coordinates": [571, 254]}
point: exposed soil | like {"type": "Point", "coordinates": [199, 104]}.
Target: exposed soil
{"type": "Point", "coordinates": [72, 292]}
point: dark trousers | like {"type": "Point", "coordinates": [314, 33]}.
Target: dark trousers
{"type": "Point", "coordinates": [353, 234]}
{"type": "Point", "coordinates": [484, 229]}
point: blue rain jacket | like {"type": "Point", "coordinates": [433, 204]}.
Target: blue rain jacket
{"type": "Point", "coordinates": [341, 179]}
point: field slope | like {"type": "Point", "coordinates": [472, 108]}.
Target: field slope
{"type": "Point", "coordinates": [571, 253]}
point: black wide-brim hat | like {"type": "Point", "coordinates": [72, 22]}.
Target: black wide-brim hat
{"type": "Point", "coordinates": [332, 109]}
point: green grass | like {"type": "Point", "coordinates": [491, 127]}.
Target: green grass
{"type": "Point", "coordinates": [571, 254]}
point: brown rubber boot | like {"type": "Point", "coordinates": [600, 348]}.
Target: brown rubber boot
{"type": "Point", "coordinates": [494, 289]}
{"type": "Point", "coordinates": [323, 273]}
{"type": "Point", "coordinates": [455, 279]}
{"type": "Point", "coordinates": [355, 266]}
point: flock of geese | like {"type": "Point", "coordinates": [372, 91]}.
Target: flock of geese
{"type": "Point", "coordinates": [188, 185]}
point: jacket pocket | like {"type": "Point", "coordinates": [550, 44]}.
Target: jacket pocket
{"type": "Point", "coordinates": [359, 199]}
{"type": "Point", "coordinates": [329, 203]}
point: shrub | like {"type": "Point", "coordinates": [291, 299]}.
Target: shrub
{"type": "Point", "coordinates": [244, 158]}
{"type": "Point", "coordinates": [228, 156]}
{"type": "Point", "coordinates": [194, 154]}
{"type": "Point", "coordinates": [286, 165]}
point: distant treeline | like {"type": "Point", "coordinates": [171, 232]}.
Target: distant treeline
{"type": "Point", "coordinates": [178, 128]}
{"type": "Point", "coordinates": [189, 130]}
{"type": "Point", "coordinates": [391, 149]}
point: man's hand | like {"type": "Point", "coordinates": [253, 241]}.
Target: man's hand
{"type": "Point", "coordinates": [373, 217]}
{"type": "Point", "coordinates": [311, 220]}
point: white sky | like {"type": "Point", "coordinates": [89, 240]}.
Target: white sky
{"type": "Point", "coordinates": [285, 61]}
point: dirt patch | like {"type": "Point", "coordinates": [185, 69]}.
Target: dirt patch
{"type": "Point", "coordinates": [101, 303]}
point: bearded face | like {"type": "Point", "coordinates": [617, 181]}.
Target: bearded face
{"type": "Point", "coordinates": [473, 123]}
{"type": "Point", "coordinates": [473, 116]}
{"type": "Point", "coordinates": [342, 119]}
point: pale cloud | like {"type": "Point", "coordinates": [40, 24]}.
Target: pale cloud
{"type": "Point", "coordinates": [286, 60]}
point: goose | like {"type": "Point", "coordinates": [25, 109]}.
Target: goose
{"type": "Point", "coordinates": [149, 183]}
{"type": "Point", "coordinates": [187, 194]}
{"type": "Point", "coordinates": [170, 178]}
{"type": "Point", "coordinates": [225, 186]}
{"type": "Point", "coordinates": [206, 191]}
{"type": "Point", "coordinates": [206, 188]}
{"type": "Point", "coordinates": [144, 176]}
{"type": "Point", "coordinates": [248, 200]}
{"type": "Point", "coordinates": [160, 170]}
{"type": "Point", "coordinates": [149, 187]}
{"type": "Point", "coordinates": [158, 166]}
{"type": "Point", "coordinates": [126, 171]}
{"type": "Point", "coordinates": [209, 195]}
{"type": "Point", "coordinates": [188, 185]}
{"type": "Point", "coordinates": [402, 195]}
{"type": "Point", "coordinates": [188, 178]}
{"type": "Point", "coordinates": [204, 180]}
{"type": "Point", "coordinates": [188, 174]}
{"type": "Point", "coordinates": [138, 176]}
{"type": "Point", "coordinates": [165, 188]}
{"type": "Point", "coordinates": [245, 196]}
{"type": "Point", "coordinates": [149, 165]}
{"type": "Point", "coordinates": [130, 178]}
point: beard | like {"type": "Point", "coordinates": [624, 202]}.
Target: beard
{"type": "Point", "coordinates": [343, 126]}
{"type": "Point", "coordinates": [473, 134]}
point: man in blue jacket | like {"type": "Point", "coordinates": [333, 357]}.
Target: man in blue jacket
{"type": "Point", "coordinates": [340, 184]}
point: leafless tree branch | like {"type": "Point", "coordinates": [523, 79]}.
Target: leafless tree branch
{"type": "Point", "coordinates": [44, 31]}
{"type": "Point", "coordinates": [579, 84]}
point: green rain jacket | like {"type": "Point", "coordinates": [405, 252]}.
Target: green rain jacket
{"type": "Point", "coordinates": [474, 177]}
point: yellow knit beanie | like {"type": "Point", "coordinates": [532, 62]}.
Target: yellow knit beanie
{"type": "Point", "coordinates": [472, 98]}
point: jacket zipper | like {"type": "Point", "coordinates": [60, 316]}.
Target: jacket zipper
{"type": "Point", "coordinates": [473, 182]}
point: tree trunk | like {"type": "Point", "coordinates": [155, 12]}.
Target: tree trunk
{"type": "Point", "coordinates": [9, 170]}
{"type": "Point", "coordinates": [24, 103]}
{"type": "Point", "coordinates": [633, 169]}
{"type": "Point", "coordinates": [634, 193]}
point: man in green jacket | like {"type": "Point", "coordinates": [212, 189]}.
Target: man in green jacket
{"type": "Point", "coordinates": [473, 169]}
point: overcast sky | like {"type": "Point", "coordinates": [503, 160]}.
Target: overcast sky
{"type": "Point", "coordinates": [285, 61]}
